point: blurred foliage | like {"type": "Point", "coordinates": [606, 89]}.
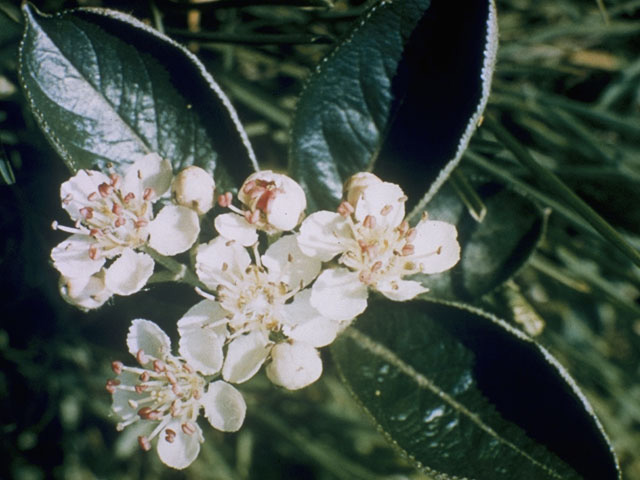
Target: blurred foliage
{"type": "Point", "coordinates": [567, 85]}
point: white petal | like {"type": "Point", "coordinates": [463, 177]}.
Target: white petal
{"type": "Point", "coordinates": [324, 235]}
{"type": "Point", "coordinates": [245, 356]}
{"type": "Point", "coordinates": [436, 246]}
{"type": "Point", "coordinates": [400, 290]}
{"type": "Point", "coordinates": [174, 230]}
{"type": "Point", "coordinates": [356, 184]}
{"type": "Point", "coordinates": [86, 293]}
{"type": "Point", "coordinates": [224, 406]}
{"type": "Point", "coordinates": [75, 191]}
{"type": "Point", "coordinates": [339, 294]}
{"type": "Point", "coordinates": [286, 263]}
{"type": "Point", "coordinates": [305, 324]}
{"type": "Point", "coordinates": [288, 205]}
{"type": "Point", "coordinates": [201, 342]}
{"type": "Point", "coordinates": [183, 450]}
{"type": "Point", "coordinates": [129, 273]}
{"type": "Point", "coordinates": [147, 336]}
{"type": "Point", "coordinates": [379, 198]}
{"type": "Point", "coordinates": [235, 227]}
{"type": "Point", "coordinates": [71, 257]}
{"type": "Point", "coordinates": [193, 187]}
{"type": "Point", "coordinates": [150, 171]}
{"type": "Point", "coordinates": [221, 260]}
{"type": "Point", "coordinates": [121, 397]}
{"type": "Point", "coordinates": [294, 365]}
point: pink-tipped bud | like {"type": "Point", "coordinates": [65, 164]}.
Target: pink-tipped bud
{"type": "Point", "coordinates": [116, 366]}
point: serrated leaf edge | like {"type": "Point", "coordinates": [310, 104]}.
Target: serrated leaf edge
{"type": "Point", "coordinates": [425, 383]}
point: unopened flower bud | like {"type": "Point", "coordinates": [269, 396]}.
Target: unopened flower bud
{"type": "Point", "coordinates": [193, 188]}
{"type": "Point", "coordinates": [279, 201]}
{"type": "Point", "coordinates": [357, 184]}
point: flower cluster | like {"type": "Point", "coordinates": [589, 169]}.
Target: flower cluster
{"type": "Point", "coordinates": [113, 219]}
{"type": "Point", "coordinates": [272, 306]}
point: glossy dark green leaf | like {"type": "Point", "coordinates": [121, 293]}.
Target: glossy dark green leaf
{"type": "Point", "coordinates": [401, 96]}
{"type": "Point", "coordinates": [104, 87]}
{"type": "Point", "coordinates": [467, 396]}
{"type": "Point", "coordinates": [491, 250]}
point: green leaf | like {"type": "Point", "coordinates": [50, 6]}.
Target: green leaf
{"type": "Point", "coordinates": [492, 250]}
{"type": "Point", "coordinates": [400, 96]}
{"type": "Point", "coordinates": [106, 88]}
{"type": "Point", "coordinates": [465, 395]}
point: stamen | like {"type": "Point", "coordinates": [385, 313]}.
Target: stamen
{"type": "Point", "coordinates": [369, 221]}
{"type": "Point", "coordinates": [67, 199]}
{"type": "Point", "coordinates": [408, 249]}
{"type": "Point", "coordinates": [93, 252]}
{"type": "Point", "coordinates": [92, 196]}
{"type": "Point", "coordinates": [142, 357]}
{"type": "Point", "coordinates": [116, 366]}
{"type": "Point", "coordinates": [225, 199]}
{"type": "Point", "coordinates": [386, 210]}
{"type": "Point", "coordinates": [188, 428]}
{"type": "Point", "coordinates": [144, 443]}
{"type": "Point", "coordinates": [116, 209]}
{"type": "Point", "coordinates": [411, 235]}
{"type": "Point", "coordinates": [144, 376]}
{"type": "Point", "coordinates": [170, 435]}
{"type": "Point", "coordinates": [111, 385]}
{"type": "Point", "coordinates": [128, 197]}
{"type": "Point", "coordinates": [139, 223]}
{"type": "Point", "coordinates": [105, 189]}
{"type": "Point", "coordinates": [146, 195]}
{"type": "Point", "coordinates": [345, 209]}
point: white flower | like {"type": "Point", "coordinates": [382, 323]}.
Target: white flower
{"type": "Point", "coordinates": [166, 393]}
{"type": "Point", "coordinates": [275, 203]}
{"type": "Point", "coordinates": [194, 188]}
{"type": "Point", "coordinates": [113, 217]}
{"type": "Point", "coordinates": [377, 249]}
{"type": "Point", "coordinates": [263, 306]}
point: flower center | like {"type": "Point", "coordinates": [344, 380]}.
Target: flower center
{"type": "Point", "coordinates": [379, 251]}
{"type": "Point", "coordinates": [254, 301]}
{"type": "Point", "coordinates": [113, 218]}
{"type": "Point", "coordinates": [170, 389]}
